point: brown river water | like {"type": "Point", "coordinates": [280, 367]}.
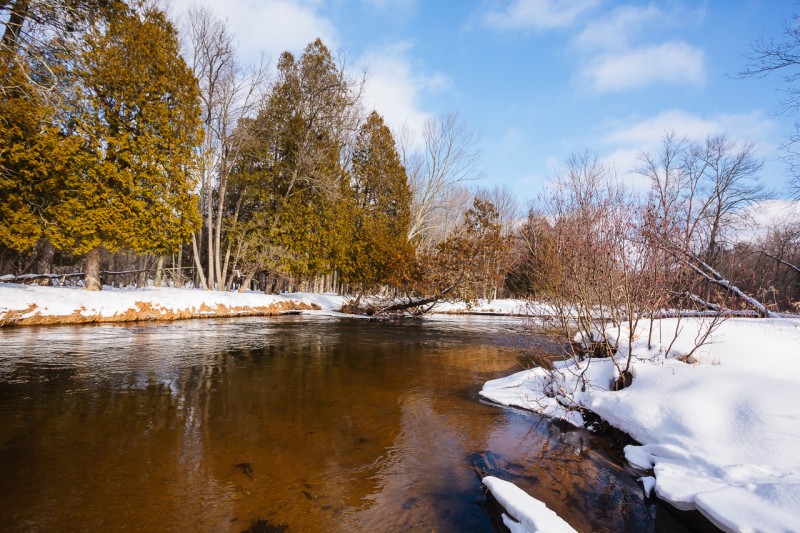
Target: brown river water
{"type": "Point", "coordinates": [292, 423]}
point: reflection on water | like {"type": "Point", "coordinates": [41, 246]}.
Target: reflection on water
{"type": "Point", "coordinates": [316, 423]}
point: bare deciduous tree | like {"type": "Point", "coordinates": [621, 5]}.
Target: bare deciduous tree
{"type": "Point", "coordinates": [731, 178]}
{"type": "Point", "coordinates": [701, 191]}
{"type": "Point", "coordinates": [437, 174]}
{"type": "Point", "coordinates": [782, 56]}
{"type": "Point", "coordinates": [609, 270]}
{"type": "Point", "coordinates": [230, 93]}
{"type": "Point", "coordinates": [505, 201]}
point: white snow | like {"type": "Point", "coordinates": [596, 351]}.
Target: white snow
{"type": "Point", "coordinates": [528, 515]}
{"type": "Point", "coordinates": [721, 435]}
{"type": "Point", "coordinates": [648, 483]}
{"type": "Point", "coordinates": [497, 306]}
{"type": "Point", "coordinates": [64, 301]}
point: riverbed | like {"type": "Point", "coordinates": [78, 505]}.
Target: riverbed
{"type": "Point", "coordinates": [292, 423]}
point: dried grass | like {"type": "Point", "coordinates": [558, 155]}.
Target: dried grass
{"type": "Point", "coordinates": [145, 311]}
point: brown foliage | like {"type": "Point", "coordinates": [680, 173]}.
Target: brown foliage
{"type": "Point", "coordinates": [471, 263]}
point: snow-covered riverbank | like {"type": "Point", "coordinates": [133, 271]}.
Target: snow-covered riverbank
{"type": "Point", "coordinates": [33, 304]}
{"type": "Point", "coordinates": [720, 435]}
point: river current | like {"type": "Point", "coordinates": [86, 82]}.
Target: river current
{"type": "Point", "coordinates": [293, 423]}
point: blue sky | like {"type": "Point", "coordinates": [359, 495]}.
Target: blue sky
{"type": "Point", "coordinates": [540, 79]}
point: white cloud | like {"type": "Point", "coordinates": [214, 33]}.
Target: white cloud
{"type": "Point", "coordinates": [269, 26]}
{"type": "Point", "coordinates": [626, 142]}
{"type": "Point", "coordinates": [624, 161]}
{"type": "Point", "coordinates": [624, 49]}
{"type": "Point", "coordinates": [765, 214]}
{"type": "Point", "coordinates": [617, 30]}
{"type": "Point", "coordinates": [650, 131]}
{"type": "Point", "coordinates": [538, 14]}
{"type": "Point", "coordinates": [394, 87]}
{"type": "Point", "coordinates": [670, 63]}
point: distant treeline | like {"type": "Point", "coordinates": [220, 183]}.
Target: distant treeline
{"type": "Point", "coordinates": [121, 151]}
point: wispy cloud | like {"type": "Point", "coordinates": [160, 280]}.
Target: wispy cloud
{"type": "Point", "coordinates": [670, 63]}
{"type": "Point", "coordinates": [626, 141]}
{"type": "Point", "coordinates": [402, 5]}
{"type": "Point", "coordinates": [617, 30]}
{"type": "Point", "coordinates": [649, 131]}
{"type": "Point", "coordinates": [269, 26]}
{"type": "Point", "coordinates": [621, 51]}
{"type": "Point", "coordinates": [537, 14]}
{"type": "Point", "coordinates": [395, 85]}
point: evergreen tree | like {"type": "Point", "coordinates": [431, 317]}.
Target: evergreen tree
{"type": "Point", "coordinates": [137, 117]}
{"type": "Point", "coordinates": [34, 156]}
{"type": "Point", "coordinates": [38, 39]}
{"type": "Point", "coordinates": [381, 202]}
{"type": "Point", "coordinates": [289, 177]}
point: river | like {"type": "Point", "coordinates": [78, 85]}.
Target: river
{"type": "Point", "coordinates": [293, 423]}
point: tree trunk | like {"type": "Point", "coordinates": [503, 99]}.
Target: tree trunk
{"type": "Point", "coordinates": [142, 278]}
{"type": "Point", "coordinates": [714, 277]}
{"type": "Point", "coordinates": [246, 283]}
{"type": "Point", "coordinates": [159, 270]}
{"type": "Point", "coordinates": [274, 287]}
{"type": "Point", "coordinates": [198, 262]}
{"type": "Point", "coordinates": [211, 279]}
{"type": "Point", "coordinates": [112, 265]}
{"type": "Point", "coordinates": [178, 276]}
{"type": "Point", "coordinates": [218, 227]}
{"type": "Point", "coordinates": [14, 25]}
{"type": "Point", "coordinates": [44, 259]}
{"type": "Point", "coordinates": [91, 270]}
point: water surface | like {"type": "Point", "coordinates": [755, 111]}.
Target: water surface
{"type": "Point", "coordinates": [318, 424]}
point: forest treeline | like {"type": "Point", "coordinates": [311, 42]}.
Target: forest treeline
{"type": "Point", "coordinates": [123, 152]}
{"type": "Point", "coordinates": [135, 151]}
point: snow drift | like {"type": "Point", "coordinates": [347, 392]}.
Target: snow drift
{"type": "Point", "coordinates": [720, 435]}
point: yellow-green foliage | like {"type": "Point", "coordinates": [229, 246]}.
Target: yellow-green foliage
{"type": "Point", "coordinates": [137, 117]}
{"type": "Point", "coordinates": [289, 174]}
{"type": "Point", "coordinates": [34, 157]}
{"type": "Point", "coordinates": [298, 211]}
{"type": "Point", "coordinates": [381, 203]}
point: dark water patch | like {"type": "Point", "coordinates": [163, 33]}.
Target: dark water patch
{"type": "Point", "coordinates": [265, 526]}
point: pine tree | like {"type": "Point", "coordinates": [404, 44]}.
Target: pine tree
{"type": "Point", "coordinates": [138, 118]}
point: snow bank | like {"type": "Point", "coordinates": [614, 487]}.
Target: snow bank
{"type": "Point", "coordinates": [528, 515]}
{"type": "Point", "coordinates": [721, 435]}
{"type": "Point", "coordinates": [22, 302]}
{"type": "Point", "coordinates": [499, 307]}
{"type": "Point", "coordinates": [36, 304]}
